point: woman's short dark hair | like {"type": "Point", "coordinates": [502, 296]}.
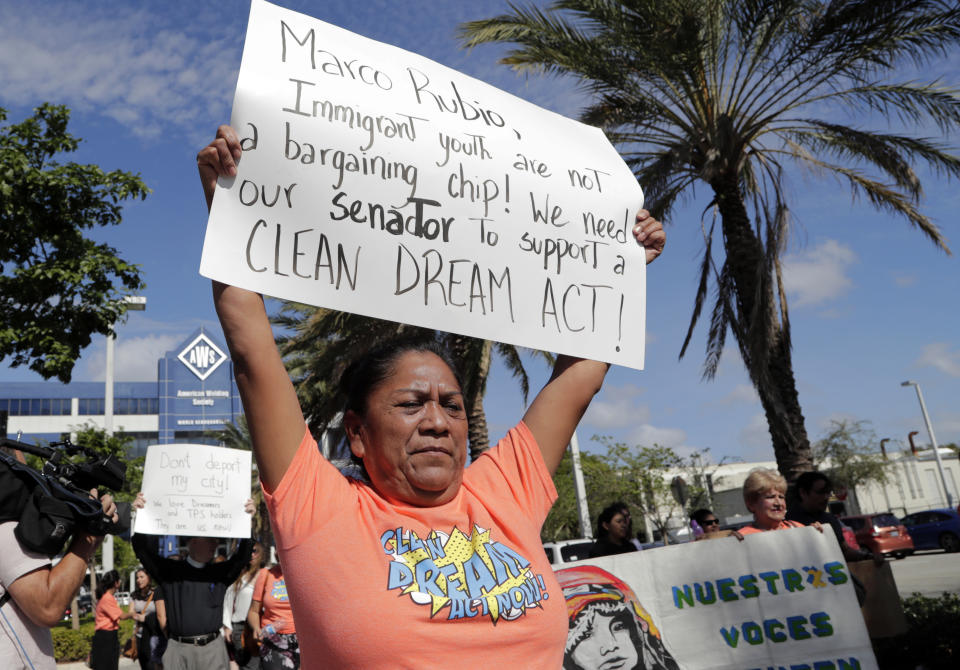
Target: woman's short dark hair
{"type": "Point", "coordinates": [806, 481]}
{"type": "Point", "coordinates": [366, 372]}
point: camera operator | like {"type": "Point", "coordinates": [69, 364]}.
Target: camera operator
{"type": "Point", "coordinates": [36, 593]}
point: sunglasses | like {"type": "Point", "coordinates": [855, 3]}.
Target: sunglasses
{"type": "Point", "coordinates": [711, 522]}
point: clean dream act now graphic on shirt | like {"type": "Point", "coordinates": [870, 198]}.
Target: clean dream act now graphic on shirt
{"type": "Point", "coordinates": [474, 575]}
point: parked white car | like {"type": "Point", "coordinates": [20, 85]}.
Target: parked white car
{"type": "Point", "coordinates": [567, 551]}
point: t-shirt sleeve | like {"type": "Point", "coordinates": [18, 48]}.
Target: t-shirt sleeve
{"type": "Point", "coordinates": [15, 564]}
{"type": "Point", "coordinates": [110, 608]}
{"type": "Point", "coordinates": [516, 465]}
{"type": "Point", "coordinates": [308, 496]}
{"type": "Point", "coordinates": [260, 585]}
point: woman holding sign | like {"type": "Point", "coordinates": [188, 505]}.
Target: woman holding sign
{"type": "Point", "coordinates": [424, 563]}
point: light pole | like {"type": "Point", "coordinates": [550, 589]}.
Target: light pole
{"type": "Point", "coordinates": [138, 304]}
{"type": "Point", "coordinates": [134, 303]}
{"type": "Point", "coordinates": [579, 488]}
{"type": "Point", "coordinates": [883, 451]}
{"type": "Point", "coordinates": [933, 440]}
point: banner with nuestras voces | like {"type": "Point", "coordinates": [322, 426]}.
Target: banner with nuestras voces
{"type": "Point", "coordinates": [378, 182]}
{"type": "Point", "coordinates": [778, 600]}
{"type": "Point", "coordinates": [196, 490]}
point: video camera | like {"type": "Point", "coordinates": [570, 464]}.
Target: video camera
{"type": "Point", "coordinates": [52, 504]}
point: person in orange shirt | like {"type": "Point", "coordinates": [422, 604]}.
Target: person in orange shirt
{"type": "Point", "coordinates": [271, 619]}
{"type": "Point", "coordinates": [421, 562]}
{"type": "Point", "coordinates": [105, 649]}
{"type": "Point", "coordinates": [764, 494]}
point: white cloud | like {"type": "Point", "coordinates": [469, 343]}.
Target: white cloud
{"type": "Point", "coordinates": [818, 274]}
{"type": "Point", "coordinates": [135, 66]}
{"type": "Point", "coordinates": [756, 434]}
{"type": "Point", "coordinates": [740, 395]}
{"type": "Point", "coordinates": [616, 407]}
{"type": "Point", "coordinates": [905, 280]}
{"type": "Point", "coordinates": [646, 435]}
{"type": "Point", "coordinates": [938, 355]}
{"type": "Point", "coordinates": [135, 358]}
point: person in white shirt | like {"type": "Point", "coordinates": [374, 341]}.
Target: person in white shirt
{"type": "Point", "coordinates": [236, 604]}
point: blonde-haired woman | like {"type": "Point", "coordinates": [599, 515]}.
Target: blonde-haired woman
{"type": "Point", "coordinates": [765, 495]}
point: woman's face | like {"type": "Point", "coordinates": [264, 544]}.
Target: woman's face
{"type": "Point", "coordinates": [256, 555]}
{"type": "Point", "coordinates": [770, 509]}
{"type": "Point", "coordinates": [608, 647]}
{"type": "Point", "coordinates": [711, 525]}
{"type": "Point", "coordinates": [142, 579]}
{"type": "Point", "coordinates": [618, 528]}
{"type": "Point", "coordinates": [413, 436]}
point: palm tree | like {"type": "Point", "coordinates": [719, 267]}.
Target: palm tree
{"type": "Point", "coordinates": [322, 342]}
{"type": "Point", "coordinates": [726, 93]}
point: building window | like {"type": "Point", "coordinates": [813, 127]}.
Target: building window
{"type": "Point", "coordinates": [36, 406]}
{"type": "Point", "coordinates": [91, 406]}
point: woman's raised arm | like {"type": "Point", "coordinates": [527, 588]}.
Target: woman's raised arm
{"type": "Point", "coordinates": [269, 401]}
{"type": "Point", "coordinates": [555, 412]}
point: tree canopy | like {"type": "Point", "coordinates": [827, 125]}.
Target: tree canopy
{"type": "Point", "coordinates": [733, 95]}
{"type": "Point", "coordinates": [58, 287]}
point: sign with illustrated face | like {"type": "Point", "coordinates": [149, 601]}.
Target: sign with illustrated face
{"type": "Point", "coordinates": [195, 489]}
{"type": "Point", "coordinates": [779, 599]}
{"type": "Point", "coordinates": [202, 356]}
{"type": "Point", "coordinates": [378, 182]}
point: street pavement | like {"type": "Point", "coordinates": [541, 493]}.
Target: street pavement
{"type": "Point", "coordinates": [79, 665]}
{"type": "Point", "coordinates": [929, 573]}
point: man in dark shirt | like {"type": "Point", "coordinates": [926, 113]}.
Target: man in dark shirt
{"type": "Point", "coordinates": [813, 490]}
{"type": "Point", "coordinates": [192, 605]}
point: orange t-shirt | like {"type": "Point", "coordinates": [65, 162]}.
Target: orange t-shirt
{"type": "Point", "coordinates": [376, 584]}
{"type": "Point", "coordinates": [784, 525]}
{"type": "Point", "coordinates": [107, 615]}
{"type": "Point", "coordinates": [271, 590]}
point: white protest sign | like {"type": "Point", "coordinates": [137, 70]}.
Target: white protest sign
{"type": "Point", "coordinates": [779, 599]}
{"type": "Point", "coordinates": [378, 182]}
{"type": "Point", "coordinates": [195, 489]}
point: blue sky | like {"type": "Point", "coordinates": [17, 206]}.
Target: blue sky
{"type": "Point", "coordinates": [872, 302]}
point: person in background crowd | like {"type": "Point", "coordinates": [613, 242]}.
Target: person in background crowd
{"type": "Point", "coordinates": [706, 521]}
{"type": "Point", "coordinates": [34, 593]}
{"type": "Point", "coordinates": [105, 649]}
{"type": "Point", "coordinates": [764, 493]}
{"type": "Point", "coordinates": [340, 540]}
{"type": "Point", "coordinates": [709, 524]}
{"type": "Point", "coordinates": [614, 531]}
{"type": "Point", "coordinates": [149, 639]}
{"type": "Point", "coordinates": [236, 606]}
{"type": "Point", "coordinates": [813, 493]}
{"type": "Point", "coordinates": [193, 590]}
{"type": "Point", "coordinates": [271, 619]}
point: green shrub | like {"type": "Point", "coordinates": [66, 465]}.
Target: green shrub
{"type": "Point", "coordinates": [933, 639]}
{"type": "Point", "coordinates": [70, 645]}
{"type": "Point", "coordinates": [74, 645]}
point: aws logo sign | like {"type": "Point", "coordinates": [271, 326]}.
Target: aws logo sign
{"type": "Point", "coordinates": [202, 356]}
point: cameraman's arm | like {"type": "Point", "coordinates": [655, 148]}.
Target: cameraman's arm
{"type": "Point", "coordinates": [44, 594]}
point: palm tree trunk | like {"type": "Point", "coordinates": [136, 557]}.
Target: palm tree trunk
{"type": "Point", "coordinates": [477, 419]}
{"type": "Point", "coordinates": [763, 339]}
{"type": "Point", "coordinates": [473, 356]}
